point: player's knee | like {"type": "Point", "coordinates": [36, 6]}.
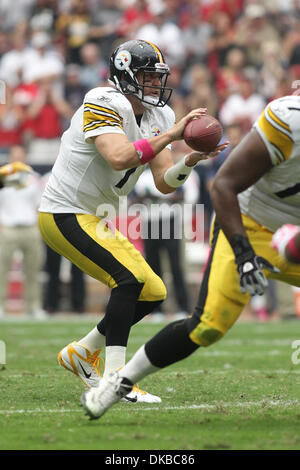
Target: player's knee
{"type": "Point", "coordinates": [154, 289]}
{"type": "Point", "coordinates": [162, 290]}
{"type": "Point", "coordinates": [158, 289]}
{"type": "Point", "coordinates": [205, 335]}
{"type": "Point", "coordinates": [131, 289]}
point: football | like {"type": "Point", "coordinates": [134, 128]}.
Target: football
{"type": "Point", "coordinates": [203, 134]}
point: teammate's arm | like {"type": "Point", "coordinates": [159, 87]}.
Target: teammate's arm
{"type": "Point", "coordinates": [246, 164]}
{"type": "Point", "coordinates": [243, 167]}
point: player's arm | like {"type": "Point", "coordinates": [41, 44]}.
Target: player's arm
{"type": "Point", "coordinates": [244, 166]}
{"type": "Point", "coordinates": [122, 154]}
{"type": "Point", "coordinates": [169, 176]}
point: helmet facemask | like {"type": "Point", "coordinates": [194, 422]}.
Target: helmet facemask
{"type": "Point", "coordinates": [164, 92]}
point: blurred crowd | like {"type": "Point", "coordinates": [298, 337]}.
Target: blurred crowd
{"type": "Point", "coordinates": [231, 56]}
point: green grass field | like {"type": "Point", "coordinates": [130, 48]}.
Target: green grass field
{"type": "Point", "coordinates": [241, 393]}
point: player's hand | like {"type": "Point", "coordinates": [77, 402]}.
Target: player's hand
{"type": "Point", "coordinates": [15, 167]}
{"type": "Point", "coordinates": [252, 278]}
{"type": "Point", "coordinates": [176, 133]}
{"type": "Point", "coordinates": [282, 236]}
{"type": "Point", "coordinates": [194, 157]}
{"type": "Point", "coordinates": [250, 266]}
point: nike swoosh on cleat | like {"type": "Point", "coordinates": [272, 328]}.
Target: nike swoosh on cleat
{"type": "Point", "coordinates": [133, 400]}
{"type": "Point", "coordinates": [87, 376]}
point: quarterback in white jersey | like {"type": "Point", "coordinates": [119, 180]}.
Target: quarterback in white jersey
{"type": "Point", "coordinates": [113, 136]}
{"type": "Point", "coordinates": [82, 179]}
{"type": "Point", "coordinates": [254, 191]}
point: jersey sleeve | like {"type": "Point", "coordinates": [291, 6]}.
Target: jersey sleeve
{"type": "Point", "coordinates": [101, 116]}
{"type": "Point", "coordinates": [275, 129]}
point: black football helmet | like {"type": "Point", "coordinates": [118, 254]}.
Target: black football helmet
{"type": "Point", "coordinates": [136, 56]}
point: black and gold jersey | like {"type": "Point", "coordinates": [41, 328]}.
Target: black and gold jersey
{"type": "Point", "coordinates": [81, 179]}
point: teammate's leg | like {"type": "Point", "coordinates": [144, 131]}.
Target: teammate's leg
{"type": "Point", "coordinates": [219, 304]}
{"type": "Point", "coordinates": [218, 307]}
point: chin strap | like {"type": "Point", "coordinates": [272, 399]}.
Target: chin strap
{"type": "Point", "coordinates": [132, 89]}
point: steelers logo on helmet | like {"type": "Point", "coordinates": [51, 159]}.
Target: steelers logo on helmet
{"type": "Point", "coordinates": [122, 60]}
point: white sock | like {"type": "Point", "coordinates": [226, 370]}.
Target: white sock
{"type": "Point", "coordinates": [93, 340]}
{"type": "Point", "coordinates": [138, 367]}
{"type": "Point", "coordinates": [115, 357]}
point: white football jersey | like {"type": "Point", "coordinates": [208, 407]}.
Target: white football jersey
{"type": "Point", "coordinates": [81, 178]}
{"type": "Point", "coordinates": [275, 199]}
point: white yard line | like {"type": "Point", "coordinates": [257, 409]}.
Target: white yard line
{"type": "Point", "coordinates": [179, 372]}
{"type": "Point", "coordinates": [209, 406]}
{"type": "Point", "coordinates": [25, 375]}
{"type": "Point", "coordinates": [232, 369]}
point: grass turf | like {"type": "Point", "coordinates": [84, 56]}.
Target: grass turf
{"type": "Point", "coordinates": [241, 393]}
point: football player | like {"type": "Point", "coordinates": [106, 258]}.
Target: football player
{"type": "Point", "coordinates": [254, 193]}
{"type": "Point", "coordinates": [118, 131]}
{"type": "Point", "coordinates": [286, 240]}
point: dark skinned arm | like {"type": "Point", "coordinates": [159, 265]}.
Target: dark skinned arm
{"type": "Point", "coordinates": [245, 165]}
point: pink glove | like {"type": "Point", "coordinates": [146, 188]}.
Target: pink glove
{"type": "Point", "coordinates": [282, 236]}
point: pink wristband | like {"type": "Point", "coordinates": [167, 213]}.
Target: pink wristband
{"type": "Point", "coordinates": [144, 150]}
{"type": "Point", "coordinates": [291, 245]}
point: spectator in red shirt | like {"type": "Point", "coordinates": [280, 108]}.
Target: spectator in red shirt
{"type": "Point", "coordinates": [232, 8]}
{"type": "Point", "coordinates": [45, 124]}
{"type": "Point", "coordinates": [134, 17]}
